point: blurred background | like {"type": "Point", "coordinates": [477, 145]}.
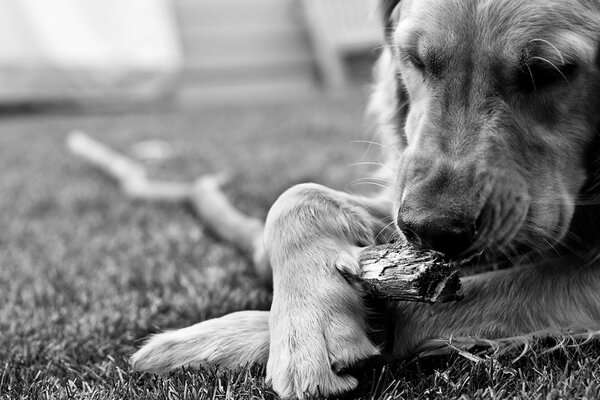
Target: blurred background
{"type": "Point", "coordinates": [198, 51]}
{"type": "Point", "coordinates": [270, 92]}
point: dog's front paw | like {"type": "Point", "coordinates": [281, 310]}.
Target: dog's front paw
{"type": "Point", "coordinates": [317, 333]}
{"type": "Point", "coordinates": [312, 357]}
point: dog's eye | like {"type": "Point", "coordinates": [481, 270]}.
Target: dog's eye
{"type": "Point", "coordinates": [537, 73]}
{"type": "Point", "coordinates": [414, 60]}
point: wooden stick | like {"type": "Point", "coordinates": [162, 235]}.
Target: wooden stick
{"type": "Point", "coordinates": [131, 176]}
{"type": "Point", "coordinates": [392, 272]}
{"type": "Point", "coordinates": [401, 272]}
{"type": "Point", "coordinates": [229, 224]}
{"type": "Point", "coordinates": [204, 195]}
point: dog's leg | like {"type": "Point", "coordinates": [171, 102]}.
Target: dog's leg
{"type": "Point", "coordinates": [506, 303]}
{"type": "Point", "coordinates": [317, 321]}
{"type": "Point", "coordinates": [321, 229]}
{"type": "Point", "coordinates": [237, 339]}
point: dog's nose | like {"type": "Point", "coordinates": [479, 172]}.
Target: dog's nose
{"type": "Point", "coordinates": [449, 235]}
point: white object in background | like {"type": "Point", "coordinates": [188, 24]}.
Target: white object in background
{"type": "Point", "coordinates": [338, 28]}
{"type": "Point", "coordinates": [153, 150]}
{"type": "Point", "coordinates": [71, 49]}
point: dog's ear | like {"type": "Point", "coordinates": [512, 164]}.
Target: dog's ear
{"type": "Point", "coordinates": [387, 9]}
{"type": "Point", "coordinates": [587, 218]}
{"type": "Point", "coordinates": [585, 226]}
{"type": "Point", "coordinates": [596, 147]}
{"type": "Point", "coordinates": [586, 221]}
{"type": "Point", "coordinates": [389, 102]}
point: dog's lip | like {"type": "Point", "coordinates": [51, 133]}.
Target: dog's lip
{"type": "Point", "coordinates": [467, 258]}
{"type": "Point", "coordinates": [494, 259]}
{"type": "Point", "coordinates": [473, 262]}
{"type": "Point", "coordinates": [464, 259]}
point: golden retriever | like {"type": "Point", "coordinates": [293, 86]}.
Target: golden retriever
{"type": "Point", "coordinates": [491, 112]}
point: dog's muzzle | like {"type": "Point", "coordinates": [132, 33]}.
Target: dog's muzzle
{"type": "Point", "coordinates": [457, 211]}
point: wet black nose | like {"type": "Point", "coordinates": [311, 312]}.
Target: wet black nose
{"type": "Point", "coordinates": [451, 236]}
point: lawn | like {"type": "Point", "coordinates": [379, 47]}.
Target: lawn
{"type": "Point", "coordinates": [86, 274]}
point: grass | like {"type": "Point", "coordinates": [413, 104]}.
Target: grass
{"type": "Point", "coordinates": [86, 274]}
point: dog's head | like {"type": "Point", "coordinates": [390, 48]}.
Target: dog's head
{"type": "Point", "coordinates": [496, 110]}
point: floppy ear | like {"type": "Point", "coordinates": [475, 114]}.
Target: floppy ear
{"type": "Point", "coordinates": [588, 216]}
{"type": "Point", "coordinates": [387, 9]}
{"type": "Point", "coordinates": [593, 189]}
{"type": "Point", "coordinates": [389, 102]}
{"type": "Point", "coordinates": [388, 106]}
{"type": "Point", "coordinates": [595, 163]}
{"type": "Point", "coordinates": [586, 221]}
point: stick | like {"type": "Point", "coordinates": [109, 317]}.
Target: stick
{"type": "Point", "coordinates": [229, 224]}
{"type": "Point", "coordinates": [390, 272]}
{"type": "Point", "coordinates": [204, 195]}
{"type": "Point", "coordinates": [403, 273]}
{"type": "Point", "coordinates": [131, 176]}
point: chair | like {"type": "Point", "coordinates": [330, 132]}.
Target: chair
{"type": "Point", "coordinates": [338, 28]}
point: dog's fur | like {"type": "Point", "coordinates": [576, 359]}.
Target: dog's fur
{"type": "Point", "coordinates": [490, 110]}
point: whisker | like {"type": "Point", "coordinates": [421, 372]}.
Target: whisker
{"type": "Point", "coordinates": [393, 46]}
{"type": "Point", "coordinates": [383, 47]}
{"type": "Point", "coordinates": [553, 66]}
{"type": "Point", "coordinates": [531, 75]}
{"type": "Point", "coordinates": [562, 59]}
{"type": "Point", "coordinates": [582, 201]}
{"type": "Point", "coordinates": [370, 163]}
{"type": "Point", "coordinates": [587, 200]}
{"type": "Point", "coordinates": [508, 253]}
{"type": "Point", "coordinates": [384, 229]}
{"type": "Point", "coordinates": [573, 237]}
{"type": "Point", "coordinates": [552, 245]}
{"type": "Point", "coordinates": [370, 179]}
{"type": "Point", "coordinates": [374, 143]}
{"type": "Point", "coordinates": [405, 46]}
{"type": "Point", "coordinates": [595, 256]}
{"type": "Point", "coordinates": [401, 106]}
{"type": "Point", "coordinates": [396, 235]}
{"type": "Point", "coordinates": [362, 181]}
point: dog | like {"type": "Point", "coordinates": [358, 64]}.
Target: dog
{"type": "Point", "coordinates": [490, 112]}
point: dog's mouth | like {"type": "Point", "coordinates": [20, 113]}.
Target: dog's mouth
{"type": "Point", "coordinates": [484, 217]}
{"type": "Point", "coordinates": [505, 230]}
{"type": "Point", "coordinates": [480, 259]}
{"type": "Point", "coordinates": [477, 262]}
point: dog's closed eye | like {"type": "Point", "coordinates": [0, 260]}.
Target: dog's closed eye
{"type": "Point", "coordinates": [412, 58]}
{"type": "Point", "coordinates": [431, 62]}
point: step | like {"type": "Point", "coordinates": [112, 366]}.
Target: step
{"type": "Point", "coordinates": [282, 74]}
{"type": "Point", "coordinates": [214, 43]}
{"type": "Point", "coordinates": [233, 64]}
{"type": "Point", "coordinates": [248, 92]}
{"type": "Point", "coordinates": [250, 28]}
{"type": "Point", "coordinates": [235, 12]}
